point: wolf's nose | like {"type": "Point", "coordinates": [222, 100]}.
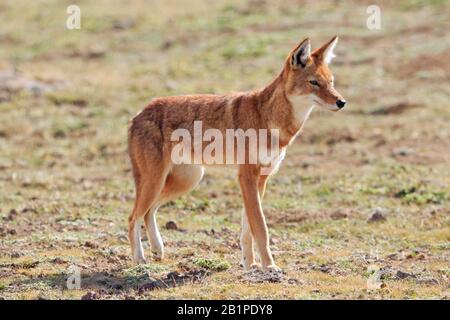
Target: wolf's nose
{"type": "Point", "coordinates": [340, 103]}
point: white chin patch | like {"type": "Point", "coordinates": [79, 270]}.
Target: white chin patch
{"type": "Point", "coordinates": [332, 107]}
{"type": "Point", "coordinates": [318, 102]}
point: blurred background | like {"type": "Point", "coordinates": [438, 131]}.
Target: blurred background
{"type": "Point", "coordinates": [359, 209]}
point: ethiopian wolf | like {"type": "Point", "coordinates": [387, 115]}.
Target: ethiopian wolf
{"type": "Point", "coordinates": [279, 110]}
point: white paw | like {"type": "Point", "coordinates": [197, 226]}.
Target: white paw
{"type": "Point", "coordinates": [158, 255]}
{"type": "Point", "coordinates": [272, 267]}
{"type": "Point", "coordinates": [139, 260]}
{"type": "Point", "coordinates": [251, 266]}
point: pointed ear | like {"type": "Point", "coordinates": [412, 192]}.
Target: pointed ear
{"type": "Point", "coordinates": [325, 53]}
{"type": "Point", "coordinates": [300, 55]}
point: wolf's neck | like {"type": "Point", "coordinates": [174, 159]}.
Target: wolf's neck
{"type": "Point", "coordinates": [285, 112]}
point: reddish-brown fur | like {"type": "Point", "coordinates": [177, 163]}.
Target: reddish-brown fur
{"type": "Point", "coordinates": [158, 180]}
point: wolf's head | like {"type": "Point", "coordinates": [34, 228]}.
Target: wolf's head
{"type": "Point", "coordinates": [308, 74]}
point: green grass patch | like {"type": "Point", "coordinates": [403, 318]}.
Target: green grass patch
{"type": "Point", "coordinates": [212, 264]}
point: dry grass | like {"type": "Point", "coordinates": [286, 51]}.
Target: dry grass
{"type": "Point", "coordinates": [65, 183]}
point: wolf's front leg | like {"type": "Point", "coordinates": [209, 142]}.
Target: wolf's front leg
{"type": "Point", "coordinates": [248, 180]}
{"type": "Point", "coordinates": [248, 256]}
{"type": "Point", "coordinates": [153, 234]}
{"type": "Point", "coordinates": [134, 234]}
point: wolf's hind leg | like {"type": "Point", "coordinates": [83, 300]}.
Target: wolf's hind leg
{"type": "Point", "coordinates": [147, 191]}
{"type": "Point", "coordinates": [180, 180]}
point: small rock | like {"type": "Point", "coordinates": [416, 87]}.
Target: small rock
{"type": "Point", "coordinates": [339, 215]}
{"type": "Point", "coordinates": [167, 44]}
{"type": "Point", "coordinates": [90, 244]}
{"type": "Point", "coordinates": [11, 215]}
{"type": "Point", "coordinates": [95, 53]}
{"type": "Point", "coordinates": [123, 24]}
{"type": "Point", "coordinates": [402, 151]}
{"type": "Point", "coordinates": [293, 281]}
{"type": "Point", "coordinates": [403, 275]}
{"type": "Point", "coordinates": [16, 255]}
{"type": "Point", "coordinates": [378, 215]}
{"type": "Point", "coordinates": [306, 164]}
{"type": "Point", "coordinates": [7, 231]}
{"type": "Point", "coordinates": [324, 268]}
{"type": "Point", "coordinates": [91, 295]}
{"type": "Point", "coordinates": [28, 209]}
{"type": "Point", "coordinates": [171, 225]}
{"type": "Point", "coordinates": [59, 134]}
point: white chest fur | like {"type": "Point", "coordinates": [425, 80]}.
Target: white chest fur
{"type": "Point", "coordinates": [302, 106]}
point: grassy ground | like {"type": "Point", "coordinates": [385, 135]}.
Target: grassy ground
{"type": "Point", "coordinates": [66, 97]}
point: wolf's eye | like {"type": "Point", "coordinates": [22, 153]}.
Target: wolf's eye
{"type": "Point", "coordinates": [314, 83]}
